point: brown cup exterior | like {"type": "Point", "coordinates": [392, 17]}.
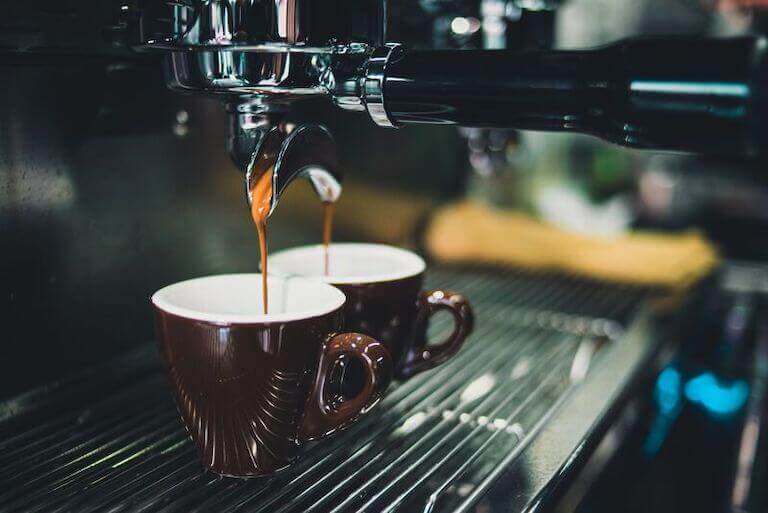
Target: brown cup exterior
{"type": "Point", "coordinates": [251, 394]}
{"type": "Point", "coordinates": [397, 313]}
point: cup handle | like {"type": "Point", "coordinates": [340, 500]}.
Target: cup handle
{"type": "Point", "coordinates": [420, 357]}
{"type": "Point", "coordinates": [324, 415]}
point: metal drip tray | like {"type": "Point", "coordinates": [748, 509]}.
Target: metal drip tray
{"type": "Point", "coordinates": [496, 425]}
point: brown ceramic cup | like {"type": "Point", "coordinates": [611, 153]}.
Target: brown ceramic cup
{"type": "Point", "coordinates": [383, 285]}
{"type": "Point", "coordinates": [252, 388]}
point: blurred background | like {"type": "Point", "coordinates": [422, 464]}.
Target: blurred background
{"type": "Point", "coordinates": [112, 186]}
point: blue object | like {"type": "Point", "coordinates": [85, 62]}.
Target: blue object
{"type": "Point", "coordinates": [717, 396]}
{"type": "Point", "coordinates": [668, 390]}
{"type": "Point", "coordinates": [668, 393]}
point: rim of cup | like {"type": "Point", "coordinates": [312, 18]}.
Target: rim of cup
{"type": "Point", "coordinates": [236, 299]}
{"type": "Point", "coordinates": [292, 262]}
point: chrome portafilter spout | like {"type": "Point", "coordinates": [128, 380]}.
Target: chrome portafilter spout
{"type": "Point", "coordinates": [260, 58]}
{"type": "Point", "coordinates": [262, 142]}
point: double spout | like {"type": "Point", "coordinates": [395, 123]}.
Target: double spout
{"type": "Point", "coordinates": [264, 143]}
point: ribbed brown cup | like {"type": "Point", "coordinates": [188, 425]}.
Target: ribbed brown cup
{"type": "Point", "coordinates": [251, 394]}
{"type": "Point", "coordinates": [395, 312]}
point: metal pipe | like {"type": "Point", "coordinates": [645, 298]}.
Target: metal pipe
{"type": "Point", "coordinates": [689, 94]}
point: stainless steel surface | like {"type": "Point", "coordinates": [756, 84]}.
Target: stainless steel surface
{"type": "Point", "coordinates": [260, 144]}
{"type": "Point", "coordinates": [372, 90]}
{"type": "Point", "coordinates": [311, 26]}
{"type": "Point", "coordinates": [238, 49]}
{"type": "Point", "coordinates": [240, 73]}
{"type": "Point", "coordinates": [567, 434]}
{"type": "Point", "coordinates": [258, 57]}
{"type": "Point", "coordinates": [505, 406]}
{"type": "Point", "coordinates": [748, 282]}
{"type": "Point", "coordinates": [747, 486]}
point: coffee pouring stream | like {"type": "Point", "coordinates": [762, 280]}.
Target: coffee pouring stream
{"type": "Point", "coordinates": [273, 153]}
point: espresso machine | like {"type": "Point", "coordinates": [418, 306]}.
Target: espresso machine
{"type": "Point", "coordinates": [128, 130]}
{"type": "Point", "coordinates": [259, 58]}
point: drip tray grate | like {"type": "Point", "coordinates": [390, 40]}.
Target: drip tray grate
{"type": "Point", "coordinates": [436, 443]}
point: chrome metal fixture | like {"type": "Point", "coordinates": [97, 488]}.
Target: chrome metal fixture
{"type": "Point", "coordinates": [260, 141]}
{"type": "Point", "coordinates": [700, 95]}
{"type": "Point", "coordinates": [259, 57]}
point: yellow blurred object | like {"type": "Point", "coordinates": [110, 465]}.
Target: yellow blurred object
{"type": "Point", "coordinates": [469, 232]}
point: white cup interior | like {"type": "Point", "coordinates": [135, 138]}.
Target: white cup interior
{"type": "Point", "coordinates": [237, 298]}
{"type": "Point", "coordinates": [348, 263]}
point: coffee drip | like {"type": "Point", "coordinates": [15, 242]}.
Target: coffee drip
{"type": "Point", "coordinates": [261, 201]}
{"type": "Point", "coordinates": [328, 208]}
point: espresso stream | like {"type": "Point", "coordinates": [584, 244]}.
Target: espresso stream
{"type": "Point", "coordinates": [327, 230]}
{"type": "Point", "coordinates": [261, 200]}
